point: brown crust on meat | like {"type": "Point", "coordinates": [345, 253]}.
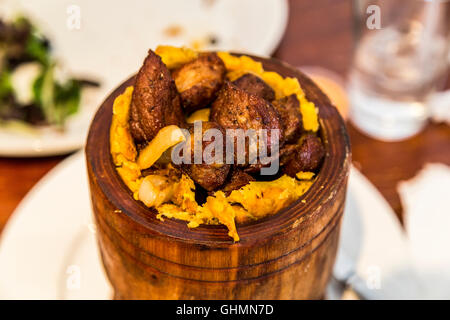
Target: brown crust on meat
{"type": "Point", "coordinates": [163, 170]}
{"type": "Point", "coordinates": [287, 152]}
{"type": "Point", "coordinates": [291, 118]}
{"type": "Point", "coordinates": [237, 180]}
{"type": "Point", "coordinates": [199, 81]}
{"type": "Point", "coordinates": [155, 102]}
{"type": "Point", "coordinates": [208, 176]}
{"type": "Point", "coordinates": [236, 109]}
{"type": "Point", "coordinates": [306, 156]}
{"type": "Point", "coordinates": [255, 85]}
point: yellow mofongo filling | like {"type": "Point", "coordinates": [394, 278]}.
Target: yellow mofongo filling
{"type": "Point", "coordinates": [175, 197]}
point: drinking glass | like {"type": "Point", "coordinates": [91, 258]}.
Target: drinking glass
{"type": "Point", "coordinates": [400, 59]}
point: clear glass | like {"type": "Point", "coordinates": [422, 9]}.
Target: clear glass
{"type": "Point", "coordinates": [401, 57]}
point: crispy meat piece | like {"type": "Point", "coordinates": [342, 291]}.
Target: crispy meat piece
{"type": "Point", "coordinates": [286, 153]}
{"type": "Point", "coordinates": [168, 171]}
{"type": "Point", "coordinates": [255, 85]}
{"type": "Point", "coordinates": [209, 176]}
{"type": "Point", "coordinates": [199, 81]}
{"type": "Point", "coordinates": [305, 156]}
{"type": "Point", "coordinates": [236, 109]}
{"type": "Point", "coordinates": [291, 117]}
{"type": "Point", "coordinates": [155, 102]}
{"type": "Point", "coordinates": [238, 179]}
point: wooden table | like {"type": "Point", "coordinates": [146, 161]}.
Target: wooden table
{"type": "Point", "coordinates": [318, 33]}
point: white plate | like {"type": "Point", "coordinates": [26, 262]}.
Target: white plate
{"type": "Point", "coordinates": [48, 248]}
{"type": "Point", "coordinates": [114, 37]}
{"type": "Point", "coordinates": [375, 244]}
{"type": "Point", "coordinates": [49, 229]}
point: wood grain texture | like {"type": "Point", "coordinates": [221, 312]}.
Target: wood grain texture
{"type": "Point", "coordinates": [386, 164]}
{"type": "Point", "coordinates": [318, 33]}
{"type": "Point", "coordinates": [286, 256]}
{"type": "Point", "coordinates": [17, 176]}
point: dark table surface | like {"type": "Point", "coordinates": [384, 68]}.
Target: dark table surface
{"type": "Point", "coordinates": [318, 33]}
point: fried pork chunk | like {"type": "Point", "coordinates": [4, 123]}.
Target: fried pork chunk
{"type": "Point", "coordinates": [307, 155]}
{"type": "Point", "coordinates": [236, 109]}
{"type": "Point", "coordinates": [155, 102]}
{"type": "Point", "coordinates": [255, 85]}
{"type": "Point", "coordinates": [199, 81]}
{"type": "Point", "coordinates": [237, 180]}
{"type": "Point", "coordinates": [291, 119]}
{"type": "Point", "coordinates": [209, 176]}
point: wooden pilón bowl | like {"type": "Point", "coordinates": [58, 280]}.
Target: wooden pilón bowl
{"type": "Point", "coordinates": [288, 255]}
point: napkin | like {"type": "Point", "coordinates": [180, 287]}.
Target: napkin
{"type": "Point", "coordinates": [426, 201]}
{"type": "Point", "coordinates": [373, 256]}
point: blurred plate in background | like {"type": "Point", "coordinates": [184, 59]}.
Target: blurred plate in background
{"type": "Point", "coordinates": [113, 38]}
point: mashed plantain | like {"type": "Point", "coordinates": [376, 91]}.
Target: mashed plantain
{"type": "Point", "coordinates": [174, 57]}
{"type": "Point", "coordinates": [253, 201]}
{"type": "Point", "coordinates": [122, 148]}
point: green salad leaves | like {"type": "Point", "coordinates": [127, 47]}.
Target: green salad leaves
{"type": "Point", "coordinates": [29, 89]}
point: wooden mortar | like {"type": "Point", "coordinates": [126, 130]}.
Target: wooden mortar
{"type": "Point", "coordinates": [289, 255]}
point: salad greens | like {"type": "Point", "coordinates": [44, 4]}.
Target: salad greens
{"type": "Point", "coordinates": [36, 49]}
{"type": "Point", "coordinates": [5, 84]}
{"type": "Point", "coordinates": [58, 101]}
{"type": "Point", "coordinates": [29, 90]}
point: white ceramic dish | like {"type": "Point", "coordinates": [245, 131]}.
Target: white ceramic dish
{"type": "Point", "coordinates": [114, 36]}
{"type": "Point", "coordinates": [48, 248]}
